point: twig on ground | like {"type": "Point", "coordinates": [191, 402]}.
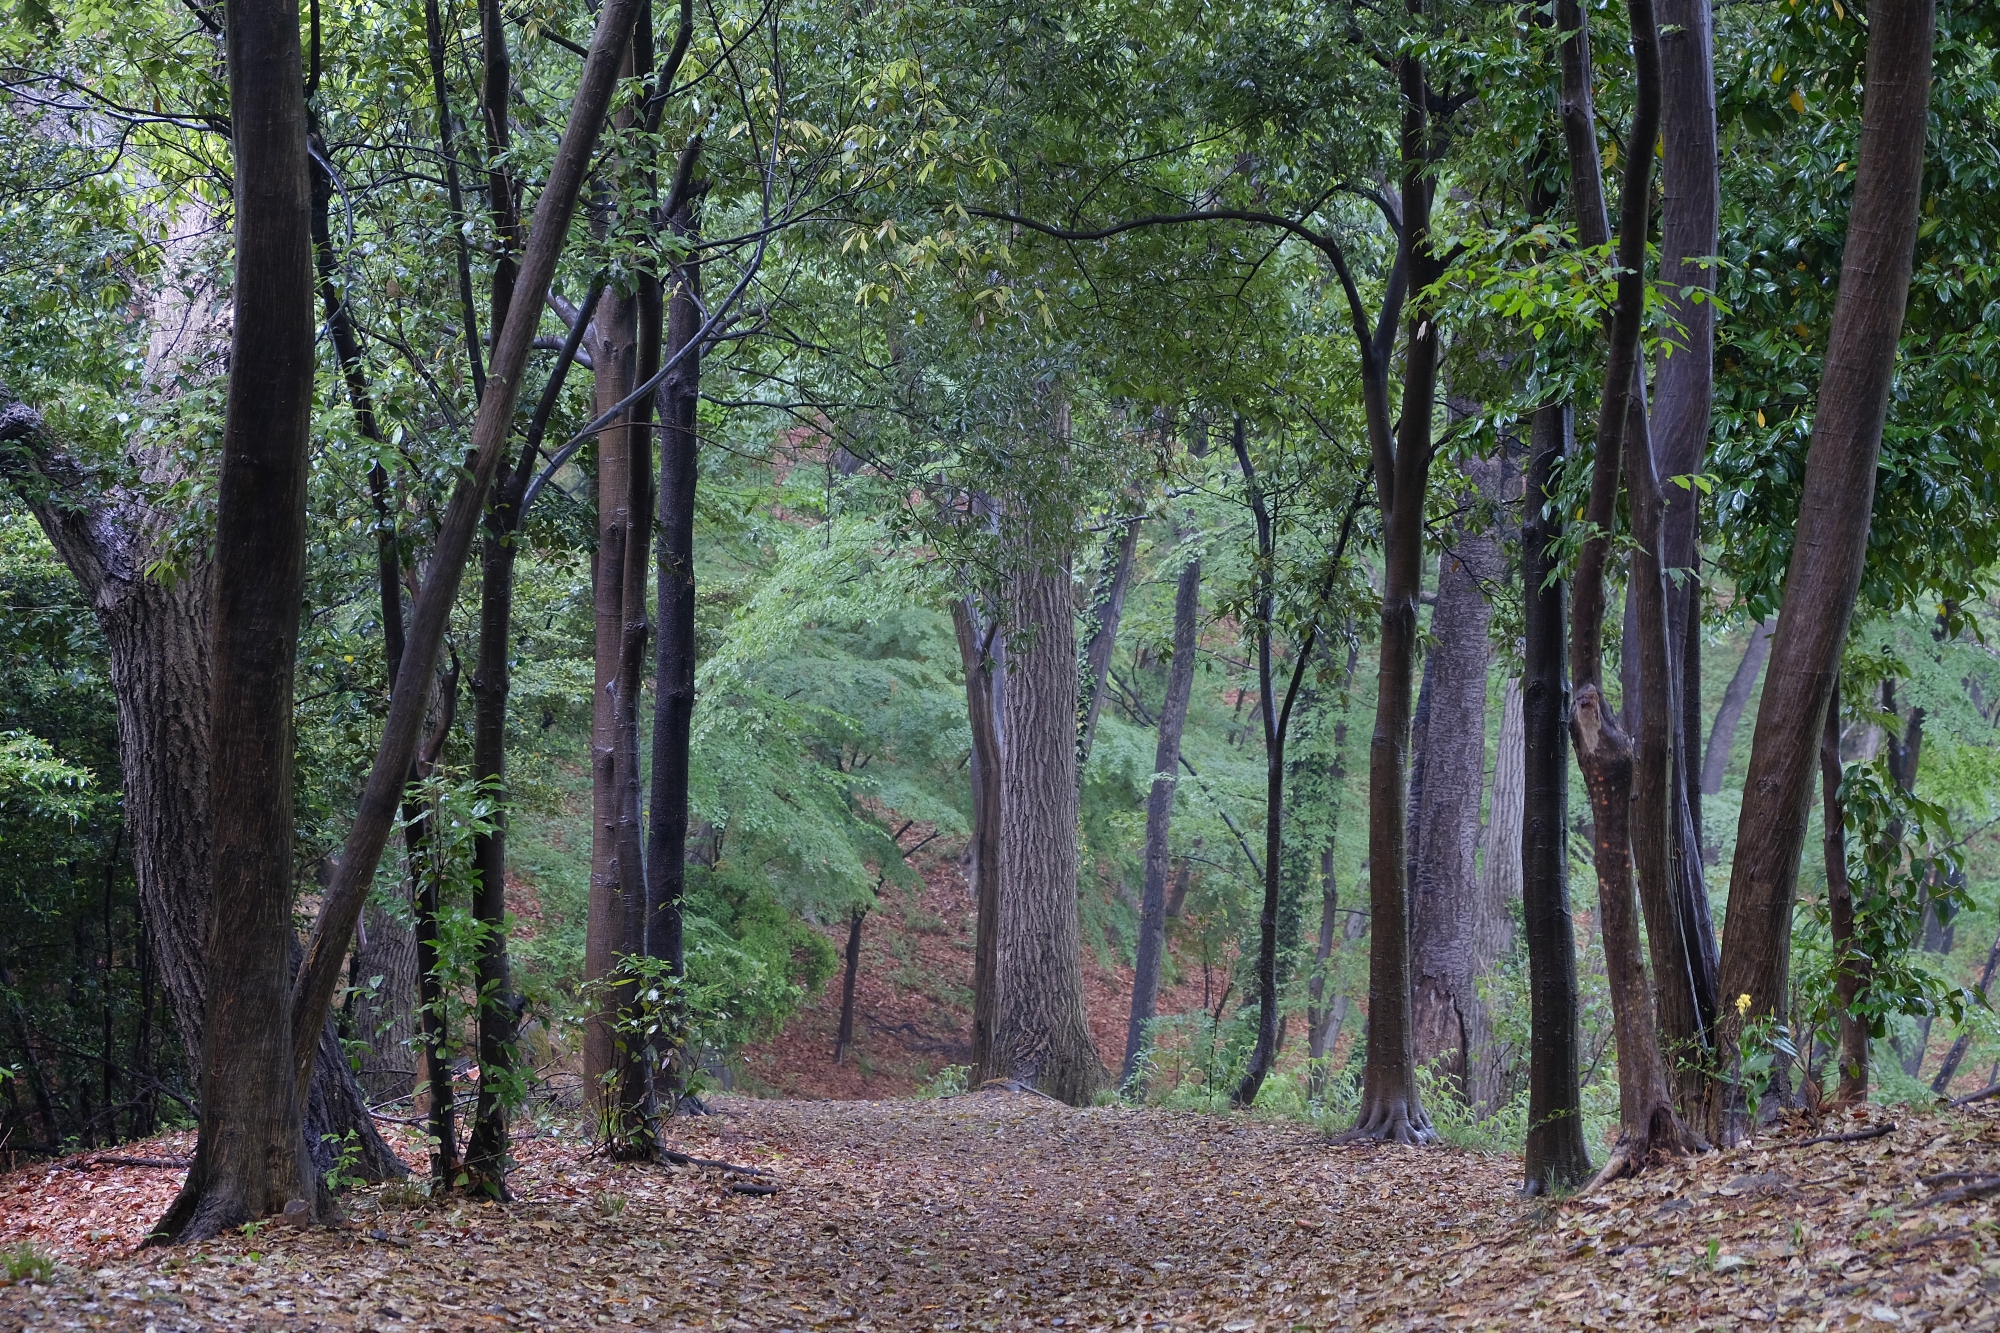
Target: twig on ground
{"type": "Point", "coordinates": [108, 1159]}
{"type": "Point", "coordinates": [1858, 1136]}
{"type": "Point", "coordinates": [1980, 1096]}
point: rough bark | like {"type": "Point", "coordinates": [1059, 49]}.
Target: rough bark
{"type": "Point", "coordinates": [1735, 697]}
{"type": "Point", "coordinates": [982, 650]}
{"type": "Point", "coordinates": [1456, 931]}
{"type": "Point", "coordinates": [1556, 1158]}
{"type": "Point", "coordinates": [843, 1040]}
{"type": "Point", "coordinates": [250, 1155]}
{"type": "Point", "coordinates": [1106, 609]}
{"type": "Point", "coordinates": [384, 1014]}
{"type": "Point", "coordinates": [1831, 539]}
{"type": "Point", "coordinates": [375, 811]}
{"type": "Point", "coordinates": [1040, 1036]}
{"type": "Point", "coordinates": [1152, 942]}
{"type": "Point", "coordinates": [1500, 843]}
{"type": "Point", "coordinates": [674, 663]}
{"type": "Point", "coordinates": [1850, 966]}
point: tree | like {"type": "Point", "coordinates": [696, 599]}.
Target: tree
{"type": "Point", "coordinates": [250, 1156]}
{"type": "Point", "coordinates": [1824, 573]}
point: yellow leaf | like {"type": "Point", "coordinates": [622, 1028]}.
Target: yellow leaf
{"type": "Point", "coordinates": [1798, 102]}
{"type": "Point", "coordinates": [1839, 167]}
{"type": "Point", "coordinates": [1777, 71]}
{"type": "Point", "coordinates": [1838, 12]}
{"type": "Point", "coordinates": [1760, 418]}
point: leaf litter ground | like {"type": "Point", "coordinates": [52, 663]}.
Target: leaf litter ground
{"type": "Point", "coordinates": [1007, 1211]}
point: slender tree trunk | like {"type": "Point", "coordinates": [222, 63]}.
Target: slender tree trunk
{"type": "Point", "coordinates": [843, 1041]}
{"type": "Point", "coordinates": [1735, 697]}
{"type": "Point", "coordinates": [1850, 966]}
{"type": "Point", "coordinates": [1556, 1157]}
{"type": "Point", "coordinates": [250, 1156]}
{"type": "Point", "coordinates": [1832, 536]}
{"type": "Point", "coordinates": [1500, 873]}
{"type": "Point", "coordinates": [982, 650]}
{"type": "Point", "coordinates": [1947, 1071]}
{"type": "Point", "coordinates": [1456, 933]}
{"type": "Point", "coordinates": [1152, 943]}
{"type": "Point", "coordinates": [375, 812]}
{"type": "Point", "coordinates": [454, 194]}
{"type": "Point", "coordinates": [674, 666]}
{"type": "Point", "coordinates": [1041, 1038]}
{"type": "Point", "coordinates": [1106, 609]}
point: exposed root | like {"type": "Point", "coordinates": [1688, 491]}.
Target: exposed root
{"type": "Point", "coordinates": [1392, 1120]}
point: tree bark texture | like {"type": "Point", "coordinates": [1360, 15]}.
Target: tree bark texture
{"type": "Point", "coordinates": [1831, 539]}
{"type": "Point", "coordinates": [1850, 966]}
{"type": "Point", "coordinates": [1456, 931]}
{"type": "Point", "coordinates": [674, 664]}
{"type": "Point", "coordinates": [385, 1015]}
{"type": "Point", "coordinates": [1041, 1038]}
{"type": "Point", "coordinates": [1500, 843]}
{"type": "Point", "coordinates": [1556, 1157]}
{"type": "Point", "coordinates": [375, 811]}
{"type": "Point", "coordinates": [1152, 943]}
{"type": "Point", "coordinates": [1735, 698]}
{"type": "Point", "coordinates": [982, 651]}
{"type": "Point", "coordinates": [843, 1040]}
{"type": "Point", "coordinates": [250, 1155]}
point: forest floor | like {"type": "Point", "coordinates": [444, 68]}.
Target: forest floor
{"type": "Point", "coordinates": [1007, 1211]}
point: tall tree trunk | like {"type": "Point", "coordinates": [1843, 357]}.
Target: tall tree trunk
{"type": "Point", "coordinates": [1390, 1107]}
{"type": "Point", "coordinates": [1152, 943]}
{"type": "Point", "coordinates": [1556, 1158]}
{"type": "Point", "coordinates": [1735, 697]}
{"type": "Point", "coordinates": [1500, 872]}
{"type": "Point", "coordinates": [1456, 932]}
{"type": "Point", "coordinates": [1831, 540]}
{"type": "Point", "coordinates": [674, 666]}
{"type": "Point", "coordinates": [1948, 1070]}
{"type": "Point", "coordinates": [375, 811]}
{"type": "Point", "coordinates": [843, 1040]}
{"type": "Point", "coordinates": [982, 651]}
{"type": "Point", "coordinates": [1850, 965]}
{"type": "Point", "coordinates": [1647, 1121]}
{"type": "Point", "coordinates": [1106, 609]}
{"type": "Point", "coordinates": [1041, 1038]}
{"type": "Point", "coordinates": [250, 1156]}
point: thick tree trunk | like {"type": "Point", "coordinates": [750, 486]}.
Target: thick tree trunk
{"type": "Point", "coordinates": [250, 1156]}
{"type": "Point", "coordinates": [1041, 1038]}
{"type": "Point", "coordinates": [674, 665]}
{"type": "Point", "coordinates": [1735, 698]}
{"type": "Point", "coordinates": [1106, 609]}
{"type": "Point", "coordinates": [1500, 872]}
{"type": "Point", "coordinates": [1832, 536]}
{"type": "Point", "coordinates": [1556, 1157]}
{"type": "Point", "coordinates": [375, 813]}
{"type": "Point", "coordinates": [1456, 931]}
{"type": "Point", "coordinates": [1850, 966]}
{"type": "Point", "coordinates": [385, 1015]}
{"type": "Point", "coordinates": [1152, 943]}
{"type": "Point", "coordinates": [982, 651]}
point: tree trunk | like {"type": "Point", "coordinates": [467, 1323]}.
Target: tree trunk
{"type": "Point", "coordinates": [843, 1040]}
{"type": "Point", "coordinates": [1831, 541]}
{"type": "Point", "coordinates": [250, 1156]}
{"type": "Point", "coordinates": [1556, 1158]}
{"type": "Point", "coordinates": [375, 811]}
{"type": "Point", "coordinates": [1152, 943]}
{"type": "Point", "coordinates": [1500, 873]}
{"type": "Point", "coordinates": [674, 666]}
{"type": "Point", "coordinates": [982, 651]}
{"type": "Point", "coordinates": [1947, 1071]}
{"type": "Point", "coordinates": [385, 1014]}
{"type": "Point", "coordinates": [1041, 1038]}
{"type": "Point", "coordinates": [1850, 966]}
{"type": "Point", "coordinates": [1735, 697]}
{"type": "Point", "coordinates": [1106, 609]}
{"type": "Point", "coordinates": [1456, 932]}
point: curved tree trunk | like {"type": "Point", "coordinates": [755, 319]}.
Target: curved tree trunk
{"type": "Point", "coordinates": [1735, 698]}
{"type": "Point", "coordinates": [1152, 944]}
{"type": "Point", "coordinates": [1834, 509]}
{"type": "Point", "coordinates": [1456, 932]}
{"type": "Point", "coordinates": [1041, 1038]}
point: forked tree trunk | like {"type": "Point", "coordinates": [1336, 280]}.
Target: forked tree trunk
{"type": "Point", "coordinates": [982, 652]}
{"type": "Point", "coordinates": [1831, 540]}
{"type": "Point", "coordinates": [1850, 966]}
{"type": "Point", "coordinates": [250, 1155]}
{"type": "Point", "coordinates": [1041, 1038]}
{"type": "Point", "coordinates": [1456, 931]}
{"type": "Point", "coordinates": [1735, 698]}
{"type": "Point", "coordinates": [1556, 1157]}
{"type": "Point", "coordinates": [1152, 943]}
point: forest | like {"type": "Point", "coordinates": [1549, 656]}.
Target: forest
{"type": "Point", "coordinates": [1333, 598]}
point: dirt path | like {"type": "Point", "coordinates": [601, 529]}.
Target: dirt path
{"type": "Point", "coordinates": [1005, 1211]}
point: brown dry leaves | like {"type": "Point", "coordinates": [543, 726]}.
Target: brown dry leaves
{"type": "Point", "coordinates": [1002, 1211]}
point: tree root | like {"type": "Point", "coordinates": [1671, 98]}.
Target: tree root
{"type": "Point", "coordinates": [1392, 1120]}
{"type": "Point", "coordinates": [1858, 1136]}
{"type": "Point", "coordinates": [1666, 1135]}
